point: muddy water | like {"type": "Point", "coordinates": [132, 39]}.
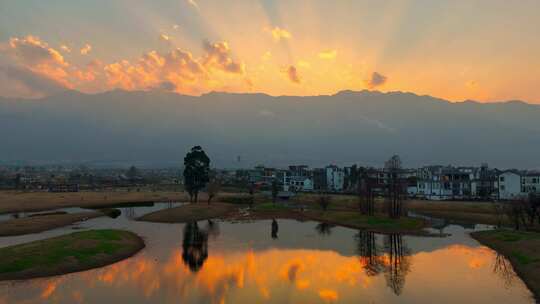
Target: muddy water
{"type": "Point", "coordinates": [278, 262]}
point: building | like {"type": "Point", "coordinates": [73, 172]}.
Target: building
{"type": "Point", "coordinates": [335, 178]}
{"type": "Point", "coordinates": [509, 185]}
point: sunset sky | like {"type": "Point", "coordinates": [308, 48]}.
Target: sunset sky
{"type": "Point", "coordinates": [486, 50]}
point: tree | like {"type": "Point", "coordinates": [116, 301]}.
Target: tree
{"type": "Point", "coordinates": [251, 191]}
{"type": "Point", "coordinates": [275, 190]}
{"type": "Point", "coordinates": [196, 172]}
{"type": "Point", "coordinates": [366, 195]}
{"type": "Point", "coordinates": [214, 186]}
{"type": "Point", "coordinates": [395, 187]}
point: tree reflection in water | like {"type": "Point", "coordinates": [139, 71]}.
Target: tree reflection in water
{"type": "Point", "coordinates": [275, 229]}
{"type": "Point", "coordinates": [367, 250]}
{"type": "Point", "coordinates": [212, 228]}
{"type": "Point", "coordinates": [324, 228]}
{"type": "Point", "coordinates": [503, 268]}
{"type": "Point", "coordinates": [398, 264]}
{"type": "Point", "coordinates": [393, 260]}
{"type": "Point", "coordinates": [195, 246]}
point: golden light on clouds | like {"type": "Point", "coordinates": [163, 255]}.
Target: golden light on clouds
{"type": "Point", "coordinates": [320, 48]}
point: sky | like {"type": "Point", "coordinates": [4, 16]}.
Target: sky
{"type": "Point", "coordinates": [485, 50]}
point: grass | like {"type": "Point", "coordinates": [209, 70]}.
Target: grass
{"type": "Point", "coordinates": [379, 223]}
{"type": "Point", "coordinates": [270, 207]}
{"type": "Point", "coordinates": [68, 253]}
{"type": "Point", "coordinates": [189, 213]}
{"type": "Point", "coordinates": [522, 248]}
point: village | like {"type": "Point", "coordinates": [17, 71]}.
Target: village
{"type": "Point", "coordinates": [435, 182]}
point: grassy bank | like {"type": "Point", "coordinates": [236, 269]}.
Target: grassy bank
{"type": "Point", "coordinates": [69, 253]}
{"type": "Point", "coordinates": [346, 218]}
{"type": "Point", "coordinates": [521, 248]}
{"type": "Point", "coordinates": [36, 224]}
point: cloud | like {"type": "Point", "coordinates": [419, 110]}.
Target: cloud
{"type": "Point", "coordinates": [176, 27]}
{"type": "Point", "coordinates": [303, 64]}
{"type": "Point", "coordinates": [36, 56]}
{"type": "Point", "coordinates": [328, 55]}
{"type": "Point", "coordinates": [218, 55]}
{"type": "Point", "coordinates": [279, 34]}
{"type": "Point", "coordinates": [376, 80]}
{"type": "Point", "coordinates": [65, 48]}
{"type": "Point", "coordinates": [86, 49]}
{"type": "Point", "coordinates": [193, 3]}
{"type": "Point", "coordinates": [33, 68]}
{"type": "Point", "coordinates": [23, 82]}
{"type": "Point", "coordinates": [164, 37]}
{"type": "Point", "coordinates": [32, 51]}
{"type": "Point", "coordinates": [292, 73]}
{"type": "Point", "coordinates": [266, 56]}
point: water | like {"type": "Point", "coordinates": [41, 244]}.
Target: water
{"type": "Point", "coordinates": [283, 262]}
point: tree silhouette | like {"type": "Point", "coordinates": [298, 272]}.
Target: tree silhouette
{"type": "Point", "coordinates": [275, 229]}
{"type": "Point", "coordinates": [398, 263]}
{"type": "Point", "coordinates": [369, 252]}
{"type": "Point", "coordinates": [196, 172]}
{"type": "Point", "coordinates": [195, 246]}
{"type": "Point", "coordinates": [275, 190]}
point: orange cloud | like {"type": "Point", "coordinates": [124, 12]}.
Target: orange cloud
{"type": "Point", "coordinates": [279, 34]}
{"type": "Point", "coordinates": [328, 55]}
{"type": "Point", "coordinates": [85, 50]}
{"type": "Point", "coordinates": [218, 55]}
{"type": "Point", "coordinates": [292, 73]}
{"type": "Point", "coordinates": [376, 80]}
{"type": "Point", "coordinates": [65, 48]}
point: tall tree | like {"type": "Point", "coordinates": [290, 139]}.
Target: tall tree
{"type": "Point", "coordinates": [196, 172]}
{"type": "Point", "coordinates": [275, 190]}
{"type": "Point", "coordinates": [395, 187]}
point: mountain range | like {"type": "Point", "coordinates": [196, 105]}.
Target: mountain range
{"type": "Point", "coordinates": [241, 130]}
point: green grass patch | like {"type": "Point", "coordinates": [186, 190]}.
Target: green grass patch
{"type": "Point", "coordinates": [511, 235]}
{"type": "Point", "coordinates": [523, 258]}
{"type": "Point", "coordinates": [371, 222]}
{"type": "Point", "coordinates": [80, 247]}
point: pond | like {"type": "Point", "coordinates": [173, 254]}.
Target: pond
{"type": "Point", "coordinates": [284, 261]}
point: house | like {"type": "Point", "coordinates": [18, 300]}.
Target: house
{"type": "Point", "coordinates": [335, 178]}
{"type": "Point", "coordinates": [530, 182]}
{"type": "Point", "coordinates": [509, 183]}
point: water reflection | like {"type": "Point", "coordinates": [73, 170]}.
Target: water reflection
{"type": "Point", "coordinates": [275, 229]}
{"type": "Point", "coordinates": [503, 269]}
{"type": "Point", "coordinates": [324, 229]}
{"type": "Point", "coordinates": [244, 266]}
{"type": "Point", "coordinates": [194, 246]}
{"type": "Point", "coordinates": [398, 264]}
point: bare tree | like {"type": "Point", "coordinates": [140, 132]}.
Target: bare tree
{"type": "Point", "coordinates": [366, 195]}
{"type": "Point", "coordinates": [275, 190]}
{"type": "Point", "coordinates": [395, 187]}
{"type": "Point", "coordinates": [214, 186]}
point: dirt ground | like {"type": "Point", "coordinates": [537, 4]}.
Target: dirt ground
{"type": "Point", "coordinates": [37, 224]}
{"type": "Point", "coordinates": [14, 201]}
{"type": "Point", "coordinates": [189, 213]}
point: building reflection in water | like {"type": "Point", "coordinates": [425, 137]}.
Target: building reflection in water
{"type": "Point", "coordinates": [393, 258]}
{"type": "Point", "coordinates": [194, 246]}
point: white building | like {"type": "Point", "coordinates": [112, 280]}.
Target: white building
{"type": "Point", "coordinates": [530, 182]}
{"type": "Point", "coordinates": [335, 178]}
{"type": "Point", "coordinates": [510, 185]}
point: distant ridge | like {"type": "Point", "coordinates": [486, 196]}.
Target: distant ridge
{"type": "Point", "coordinates": [363, 127]}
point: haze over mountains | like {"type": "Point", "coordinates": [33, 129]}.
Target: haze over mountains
{"type": "Point", "coordinates": [349, 127]}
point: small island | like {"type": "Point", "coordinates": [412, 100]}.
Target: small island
{"type": "Point", "coordinates": [68, 253]}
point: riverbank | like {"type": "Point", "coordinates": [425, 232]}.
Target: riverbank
{"type": "Point", "coordinates": [350, 219]}
{"type": "Point", "coordinates": [36, 224]}
{"type": "Point", "coordinates": [69, 253]}
{"type": "Point", "coordinates": [189, 213]}
{"type": "Point", "coordinates": [521, 248]}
